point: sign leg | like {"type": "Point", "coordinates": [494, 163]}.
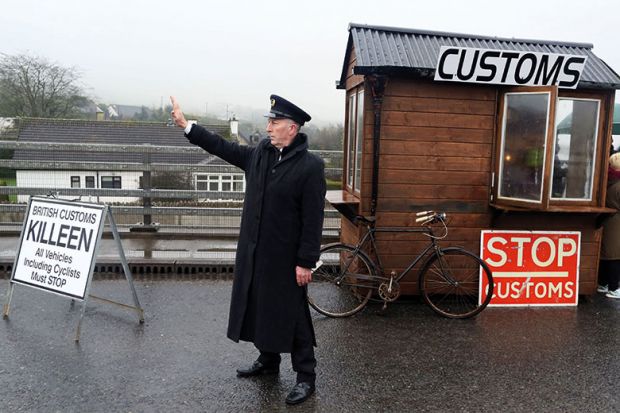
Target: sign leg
{"type": "Point", "coordinates": [78, 330]}
{"type": "Point", "coordinates": [7, 303]}
{"type": "Point", "coordinates": [126, 269]}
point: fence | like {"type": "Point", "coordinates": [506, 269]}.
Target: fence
{"type": "Point", "coordinates": [178, 190]}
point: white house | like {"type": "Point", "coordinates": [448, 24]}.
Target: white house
{"type": "Point", "coordinates": [104, 132]}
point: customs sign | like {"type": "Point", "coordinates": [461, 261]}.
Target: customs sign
{"type": "Point", "coordinates": [532, 267]}
{"type": "Point", "coordinates": [58, 246]}
{"type": "Point", "coordinates": [509, 67]}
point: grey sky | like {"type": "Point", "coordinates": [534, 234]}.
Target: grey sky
{"type": "Point", "coordinates": [214, 54]}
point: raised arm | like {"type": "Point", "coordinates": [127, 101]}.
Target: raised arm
{"type": "Point", "coordinates": [231, 152]}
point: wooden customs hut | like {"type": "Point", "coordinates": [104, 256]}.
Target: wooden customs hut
{"type": "Point", "coordinates": [468, 125]}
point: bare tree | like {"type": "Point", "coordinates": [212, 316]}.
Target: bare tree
{"type": "Point", "coordinates": [32, 86]}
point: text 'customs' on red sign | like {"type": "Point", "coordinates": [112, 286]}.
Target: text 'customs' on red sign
{"type": "Point", "coordinates": [532, 267]}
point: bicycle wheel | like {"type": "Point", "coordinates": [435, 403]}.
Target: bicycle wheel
{"type": "Point", "coordinates": [450, 283]}
{"type": "Point", "coordinates": [343, 283]}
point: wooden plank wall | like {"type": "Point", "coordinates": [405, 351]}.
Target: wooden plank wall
{"type": "Point", "coordinates": [436, 146]}
{"type": "Point", "coordinates": [437, 141]}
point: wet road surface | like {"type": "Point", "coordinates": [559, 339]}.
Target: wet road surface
{"type": "Point", "coordinates": [406, 359]}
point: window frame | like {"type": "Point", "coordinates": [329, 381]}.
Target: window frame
{"type": "Point", "coordinates": [219, 180]}
{"type": "Point", "coordinates": [596, 167]}
{"type": "Point", "coordinates": [86, 179]}
{"type": "Point", "coordinates": [116, 182]}
{"type": "Point", "coordinates": [547, 202]}
{"type": "Point", "coordinates": [354, 140]}
{"type": "Point", "coordinates": [350, 143]}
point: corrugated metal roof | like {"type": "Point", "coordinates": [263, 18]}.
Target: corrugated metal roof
{"type": "Point", "coordinates": [398, 50]}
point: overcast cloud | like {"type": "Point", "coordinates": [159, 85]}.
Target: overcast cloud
{"type": "Point", "coordinates": [213, 55]}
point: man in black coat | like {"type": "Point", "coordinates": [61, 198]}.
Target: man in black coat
{"type": "Point", "coordinates": [279, 241]}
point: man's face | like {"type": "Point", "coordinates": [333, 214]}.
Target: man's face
{"type": "Point", "coordinates": [281, 131]}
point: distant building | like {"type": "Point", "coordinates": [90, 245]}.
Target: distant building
{"type": "Point", "coordinates": [127, 112]}
{"type": "Point", "coordinates": [6, 124]}
{"type": "Point", "coordinates": [226, 179]}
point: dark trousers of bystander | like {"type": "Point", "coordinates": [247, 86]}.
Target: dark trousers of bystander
{"type": "Point", "coordinates": [609, 274]}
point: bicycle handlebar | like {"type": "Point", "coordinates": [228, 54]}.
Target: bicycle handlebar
{"type": "Point", "coordinates": [425, 217]}
{"type": "Point", "coordinates": [428, 217]}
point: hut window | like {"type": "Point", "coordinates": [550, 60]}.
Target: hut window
{"type": "Point", "coordinates": [75, 182]}
{"type": "Point", "coordinates": [359, 139]}
{"type": "Point", "coordinates": [547, 154]}
{"type": "Point", "coordinates": [524, 135]}
{"type": "Point", "coordinates": [574, 149]}
{"type": "Point", "coordinates": [351, 141]}
{"type": "Point", "coordinates": [355, 140]}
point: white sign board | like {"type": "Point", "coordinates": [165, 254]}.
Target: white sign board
{"type": "Point", "coordinates": [58, 246]}
{"type": "Point", "coordinates": [509, 67]}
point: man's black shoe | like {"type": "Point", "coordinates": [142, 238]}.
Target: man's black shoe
{"type": "Point", "coordinates": [258, 369]}
{"type": "Point", "coordinates": [300, 392]}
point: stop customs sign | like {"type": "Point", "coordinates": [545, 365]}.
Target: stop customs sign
{"type": "Point", "coordinates": [532, 267]}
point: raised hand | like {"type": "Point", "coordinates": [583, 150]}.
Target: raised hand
{"type": "Point", "coordinates": [177, 114]}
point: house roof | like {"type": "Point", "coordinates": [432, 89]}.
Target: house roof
{"type": "Point", "coordinates": [107, 132]}
{"type": "Point", "coordinates": [392, 50]}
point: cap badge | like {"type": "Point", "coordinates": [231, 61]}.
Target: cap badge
{"type": "Point", "coordinates": [273, 102]}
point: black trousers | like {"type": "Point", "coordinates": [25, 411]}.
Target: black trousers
{"type": "Point", "coordinates": [609, 274]}
{"type": "Point", "coordinates": [302, 353]}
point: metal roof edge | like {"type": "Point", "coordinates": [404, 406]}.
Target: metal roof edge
{"type": "Point", "coordinates": [341, 84]}
{"type": "Point", "coordinates": [467, 36]}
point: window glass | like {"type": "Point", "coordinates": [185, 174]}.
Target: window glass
{"type": "Point", "coordinates": [226, 183]}
{"type": "Point", "coordinates": [89, 181]}
{"type": "Point", "coordinates": [75, 182]}
{"type": "Point", "coordinates": [522, 156]}
{"type": "Point", "coordinates": [574, 149]}
{"type": "Point", "coordinates": [111, 182]}
{"type": "Point", "coordinates": [238, 183]}
{"type": "Point", "coordinates": [359, 139]}
{"type": "Point", "coordinates": [106, 182]}
{"type": "Point", "coordinates": [351, 141]}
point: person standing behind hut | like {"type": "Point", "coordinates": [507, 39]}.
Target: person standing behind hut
{"type": "Point", "coordinates": [609, 269]}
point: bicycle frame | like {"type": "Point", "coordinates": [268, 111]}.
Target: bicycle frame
{"type": "Point", "coordinates": [378, 266]}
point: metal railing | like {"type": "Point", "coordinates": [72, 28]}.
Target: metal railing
{"type": "Point", "coordinates": [164, 209]}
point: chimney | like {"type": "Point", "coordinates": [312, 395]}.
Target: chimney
{"type": "Point", "coordinates": [234, 127]}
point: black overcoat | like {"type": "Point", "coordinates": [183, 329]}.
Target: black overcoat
{"type": "Point", "coordinates": [281, 228]}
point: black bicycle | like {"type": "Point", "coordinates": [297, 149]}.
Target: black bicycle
{"type": "Point", "coordinates": [450, 279]}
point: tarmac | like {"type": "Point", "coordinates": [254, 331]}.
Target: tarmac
{"type": "Point", "coordinates": [403, 359]}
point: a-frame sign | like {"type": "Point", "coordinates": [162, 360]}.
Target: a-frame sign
{"type": "Point", "coordinates": [58, 249]}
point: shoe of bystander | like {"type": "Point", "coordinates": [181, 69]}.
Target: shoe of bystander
{"type": "Point", "coordinates": [613, 294]}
